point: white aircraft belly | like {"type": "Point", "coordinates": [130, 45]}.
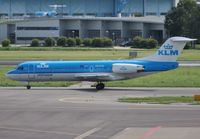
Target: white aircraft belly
{"type": "Point", "coordinates": [54, 77]}
{"type": "Point", "coordinates": [73, 76]}
{"type": "Point", "coordinates": [48, 77]}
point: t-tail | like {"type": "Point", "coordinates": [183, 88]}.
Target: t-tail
{"type": "Point", "coordinates": [170, 50]}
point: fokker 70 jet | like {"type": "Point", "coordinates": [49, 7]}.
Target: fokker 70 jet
{"type": "Point", "coordinates": [101, 71]}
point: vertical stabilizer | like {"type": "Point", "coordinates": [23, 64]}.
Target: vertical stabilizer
{"type": "Point", "coordinates": [170, 50]}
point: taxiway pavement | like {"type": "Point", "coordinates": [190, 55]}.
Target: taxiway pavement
{"type": "Point", "coordinates": [72, 113]}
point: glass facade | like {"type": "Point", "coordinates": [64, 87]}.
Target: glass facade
{"type": "Point", "coordinates": [98, 8]}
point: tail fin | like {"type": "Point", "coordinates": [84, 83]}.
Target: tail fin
{"type": "Point", "coordinates": [170, 50]}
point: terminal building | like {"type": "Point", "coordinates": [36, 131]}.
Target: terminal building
{"type": "Point", "coordinates": [117, 19]}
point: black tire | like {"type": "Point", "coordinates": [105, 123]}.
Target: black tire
{"type": "Point", "coordinates": [100, 86]}
{"type": "Point", "coordinates": [28, 87]}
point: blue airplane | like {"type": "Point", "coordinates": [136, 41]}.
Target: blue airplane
{"type": "Point", "coordinates": [101, 71]}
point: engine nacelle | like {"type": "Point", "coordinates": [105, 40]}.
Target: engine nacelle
{"type": "Point", "coordinates": [127, 68]}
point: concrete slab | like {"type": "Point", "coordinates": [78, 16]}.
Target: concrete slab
{"type": "Point", "coordinates": [39, 114]}
{"type": "Point", "coordinates": [158, 133]}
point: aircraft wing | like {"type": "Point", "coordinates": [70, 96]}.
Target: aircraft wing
{"type": "Point", "coordinates": [93, 76]}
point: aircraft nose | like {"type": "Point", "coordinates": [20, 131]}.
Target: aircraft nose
{"type": "Point", "coordinates": [9, 75]}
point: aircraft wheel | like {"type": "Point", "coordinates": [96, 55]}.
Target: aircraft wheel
{"type": "Point", "coordinates": [100, 86]}
{"type": "Point", "coordinates": [28, 87]}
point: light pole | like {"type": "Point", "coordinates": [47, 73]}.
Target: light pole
{"type": "Point", "coordinates": [73, 32]}
{"type": "Point", "coordinates": [113, 37]}
{"type": "Point", "coordinates": [107, 33]}
{"type": "Point", "coordinates": [53, 38]}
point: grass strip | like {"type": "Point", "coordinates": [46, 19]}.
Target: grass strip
{"type": "Point", "coordinates": [54, 53]}
{"type": "Point", "coordinates": [69, 55]}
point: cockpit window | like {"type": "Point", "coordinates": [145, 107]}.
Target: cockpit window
{"type": "Point", "coordinates": [20, 68]}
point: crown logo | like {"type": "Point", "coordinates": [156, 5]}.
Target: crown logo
{"type": "Point", "coordinates": [168, 46]}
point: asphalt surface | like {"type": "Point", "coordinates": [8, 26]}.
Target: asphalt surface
{"type": "Point", "coordinates": [182, 63]}
{"type": "Point", "coordinates": [72, 113]}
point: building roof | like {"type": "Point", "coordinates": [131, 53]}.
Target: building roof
{"type": "Point", "coordinates": [146, 19]}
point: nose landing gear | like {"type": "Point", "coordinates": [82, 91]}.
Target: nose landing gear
{"type": "Point", "coordinates": [100, 86]}
{"type": "Point", "coordinates": [28, 86]}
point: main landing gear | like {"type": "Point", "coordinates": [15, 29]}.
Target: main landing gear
{"type": "Point", "coordinates": [28, 86]}
{"type": "Point", "coordinates": [100, 86]}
